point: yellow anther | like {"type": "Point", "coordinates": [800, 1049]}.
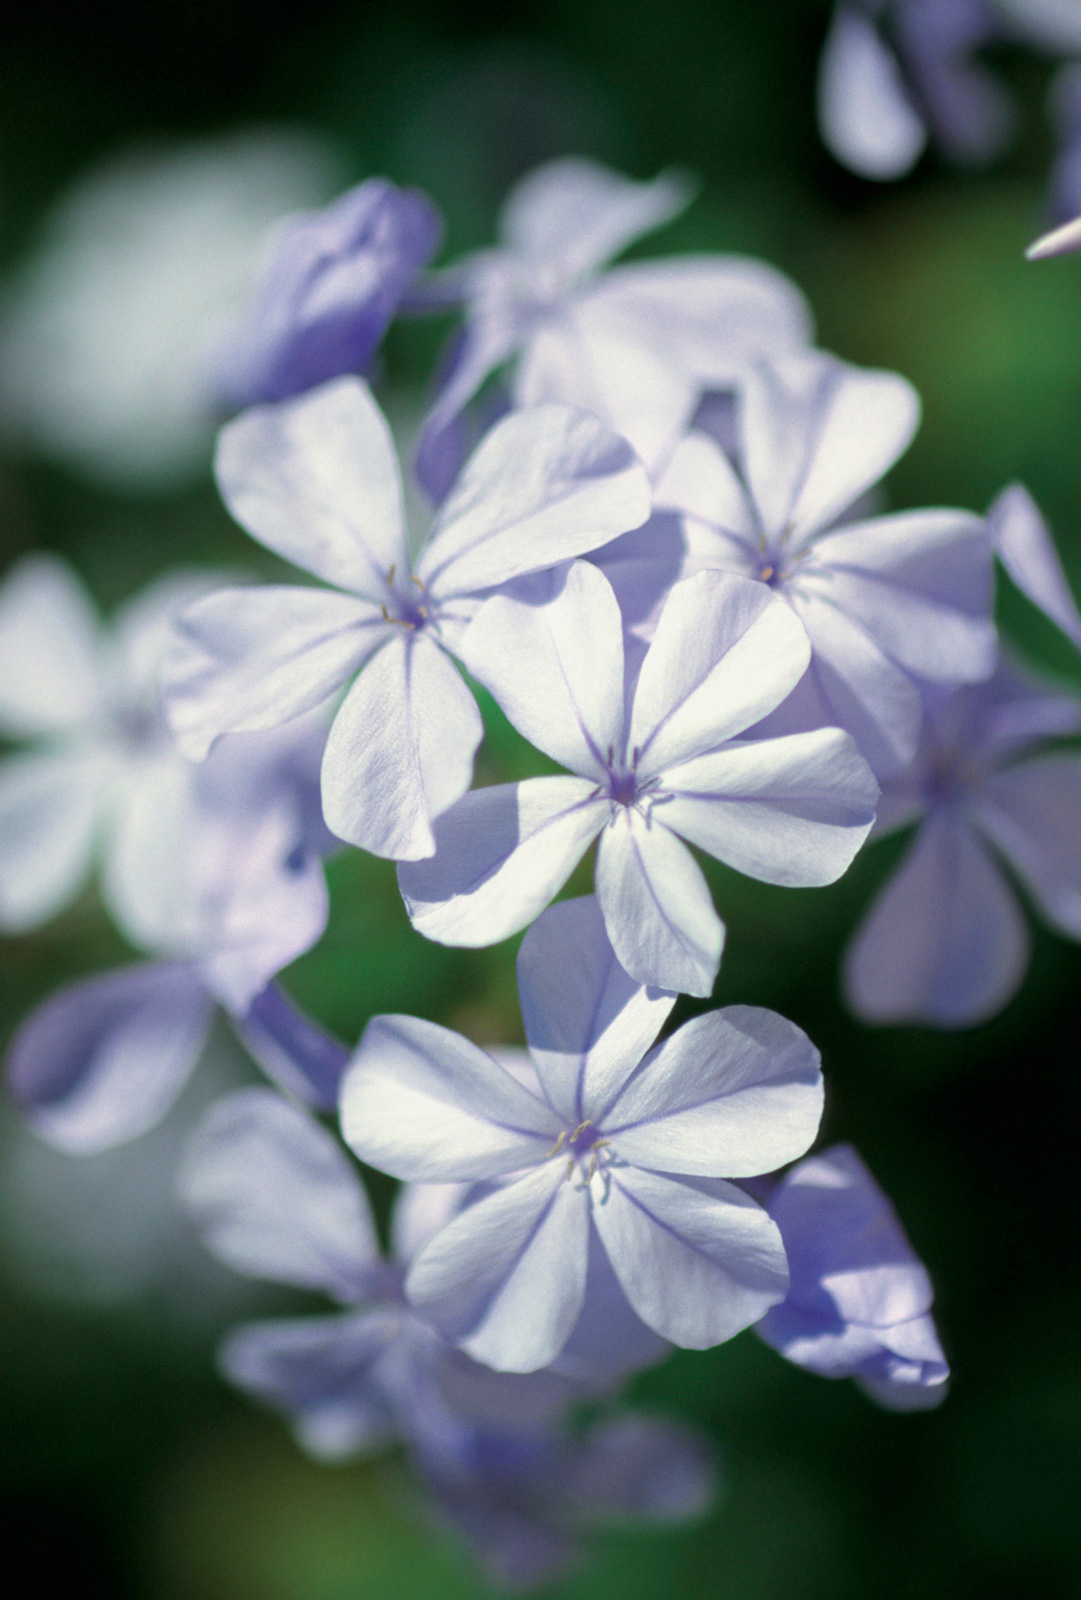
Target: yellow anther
{"type": "Point", "coordinates": [581, 1128]}
{"type": "Point", "coordinates": [418, 583]}
{"type": "Point", "coordinates": [390, 574]}
{"type": "Point", "coordinates": [766, 574]}
{"type": "Point", "coordinates": [557, 1147]}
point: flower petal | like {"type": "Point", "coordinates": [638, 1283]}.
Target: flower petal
{"type": "Point", "coordinates": [246, 659]}
{"type": "Point", "coordinates": [422, 1103]}
{"type": "Point", "coordinates": [102, 1060]}
{"type": "Point", "coordinates": [726, 652]}
{"type": "Point", "coordinates": [945, 943]}
{"type": "Point", "coordinates": [501, 855]}
{"type": "Point", "coordinates": [865, 113]}
{"type": "Point", "coordinates": [698, 1259]}
{"type": "Point", "coordinates": [656, 905]}
{"type": "Point", "coordinates": [1026, 549]}
{"type": "Point", "coordinates": [587, 1022]}
{"type": "Point", "coordinates": [49, 811]}
{"type": "Point", "coordinates": [1031, 812]}
{"type": "Point", "coordinates": [275, 1196]}
{"type": "Point", "coordinates": [50, 649]}
{"type": "Point", "coordinates": [700, 481]}
{"type": "Point", "coordinates": [733, 1094]}
{"type": "Point", "coordinates": [546, 484]}
{"type": "Point", "coordinates": [817, 433]}
{"type": "Point", "coordinates": [792, 810]}
{"type": "Point", "coordinates": [556, 669]}
{"type": "Point", "coordinates": [506, 1279]}
{"type": "Point", "coordinates": [316, 480]}
{"type": "Point", "coordinates": [401, 750]}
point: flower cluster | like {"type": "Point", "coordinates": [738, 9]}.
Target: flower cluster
{"type": "Point", "coordinates": [659, 546]}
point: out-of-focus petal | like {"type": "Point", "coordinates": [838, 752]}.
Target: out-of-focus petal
{"type": "Point", "coordinates": [275, 1196]}
{"type": "Point", "coordinates": [946, 942]}
{"type": "Point", "coordinates": [316, 480]}
{"type": "Point", "coordinates": [246, 659]}
{"type": "Point", "coordinates": [50, 649]}
{"type": "Point", "coordinates": [697, 1258]}
{"type": "Point", "coordinates": [556, 669]}
{"type": "Point", "coordinates": [725, 653]}
{"type": "Point", "coordinates": [422, 1103]}
{"type": "Point", "coordinates": [546, 484]}
{"type": "Point", "coordinates": [102, 1060]}
{"type": "Point", "coordinates": [401, 750]}
{"type": "Point", "coordinates": [656, 906]}
{"type": "Point", "coordinates": [1032, 812]}
{"type": "Point", "coordinates": [793, 810]}
{"type": "Point", "coordinates": [865, 114]}
{"type": "Point", "coordinates": [1026, 549]}
{"type": "Point", "coordinates": [1059, 242]}
{"type": "Point", "coordinates": [50, 807]}
{"type": "Point", "coordinates": [734, 1093]}
{"type": "Point", "coordinates": [587, 1021]}
{"type": "Point", "coordinates": [501, 855]}
{"type": "Point", "coordinates": [641, 1469]}
{"type": "Point", "coordinates": [506, 1279]}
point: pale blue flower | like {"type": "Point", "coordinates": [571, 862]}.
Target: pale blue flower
{"type": "Point", "coordinates": [316, 480]}
{"type": "Point", "coordinates": [630, 1145]}
{"type": "Point", "coordinates": [946, 941]}
{"type": "Point", "coordinates": [331, 283]}
{"type": "Point", "coordinates": [656, 758]}
{"type": "Point", "coordinates": [635, 344]}
{"type": "Point", "coordinates": [859, 1304]}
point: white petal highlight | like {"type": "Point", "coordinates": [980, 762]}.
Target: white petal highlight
{"type": "Point", "coordinates": [50, 649]}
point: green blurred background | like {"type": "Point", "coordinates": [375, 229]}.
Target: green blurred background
{"type": "Point", "coordinates": [126, 1468]}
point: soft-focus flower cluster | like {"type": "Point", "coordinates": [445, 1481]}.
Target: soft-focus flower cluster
{"type": "Point", "coordinates": [659, 546]}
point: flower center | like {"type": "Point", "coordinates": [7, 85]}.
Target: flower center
{"type": "Point", "coordinates": [583, 1147]}
{"type": "Point", "coordinates": [406, 605]}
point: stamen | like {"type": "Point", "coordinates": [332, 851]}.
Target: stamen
{"type": "Point", "coordinates": [397, 622]}
{"type": "Point", "coordinates": [390, 574]}
{"type": "Point", "coordinates": [570, 1170]}
{"type": "Point", "coordinates": [581, 1128]}
{"type": "Point", "coordinates": [557, 1147]}
{"type": "Point", "coordinates": [418, 583]}
{"type": "Point", "coordinates": [766, 574]}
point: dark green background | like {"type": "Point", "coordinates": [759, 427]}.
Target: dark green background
{"type": "Point", "coordinates": [125, 1468]}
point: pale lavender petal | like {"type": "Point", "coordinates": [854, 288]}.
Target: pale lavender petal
{"type": "Point", "coordinates": [50, 808]}
{"type": "Point", "coordinates": [1026, 549]}
{"type": "Point", "coordinates": [610, 1341]}
{"type": "Point", "coordinates": [946, 942]}
{"type": "Point", "coordinates": [701, 481]}
{"type": "Point", "coordinates": [316, 480]}
{"type": "Point", "coordinates": [697, 1258]}
{"type": "Point", "coordinates": [587, 1022]}
{"type": "Point", "coordinates": [642, 566]}
{"type": "Point", "coordinates": [793, 810]}
{"type": "Point", "coordinates": [50, 649]}
{"type": "Point", "coordinates": [1032, 812]}
{"type": "Point", "coordinates": [275, 1196]}
{"type": "Point", "coordinates": [573, 215]}
{"type": "Point", "coordinates": [490, 336]}
{"type": "Point", "coordinates": [506, 1279]}
{"type": "Point", "coordinates": [401, 749]}
{"type": "Point", "coordinates": [546, 484]}
{"type": "Point", "coordinates": [420, 1210]}
{"type": "Point", "coordinates": [1060, 241]}
{"type": "Point", "coordinates": [246, 659]}
{"type": "Point", "coordinates": [865, 113]}
{"type": "Point", "coordinates": [639, 1469]}
{"type": "Point", "coordinates": [725, 653]}
{"type": "Point", "coordinates": [816, 434]}
{"type": "Point", "coordinates": [556, 669]}
{"type": "Point", "coordinates": [422, 1103]}
{"type": "Point", "coordinates": [501, 855]}
{"type": "Point", "coordinates": [293, 1050]}
{"type": "Point", "coordinates": [102, 1061]}
{"type": "Point", "coordinates": [734, 1093]}
{"type": "Point", "coordinates": [656, 906]}
{"type": "Point", "coordinates": [317, 1371]}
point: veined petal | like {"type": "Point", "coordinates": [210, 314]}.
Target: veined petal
{"type": "Point", "coordinates": [697, 1258]}
{"type": "Point", "coordinates": [657, 907]}
{"type": "Point", "coordinates": [556, 669]}
{"type": "Point", "coordinates": [506, 1279]}
{"type": "Point", "coordinates": [501, 855]}
{"type": "Point", "coordinates": [422, 1103]}
{"type": "Point", "coordinates": [103, 1060]}
{"type": "Point", "coordinates": [49, 811]}
{"type": "Point", "coordinates": [792, 810]}
{"type": "Point", "coordinates": [733, 1094]}
{"type": "Point", "coordinates": [246, 659]}
{"type": "Point", "coordinates": [726, 652]}
{"type": "Point", "coordinates": [945, 942]}
{"type": "Point", "coordinates": [587, 1021]}
{"type": "Point", "coordinates": [318, 1371]}
{"type": "Point", "coordinates": [275, 1196]}
{"type": "Point", "coordinates": [1026, 549]}
{"type": "Point", "coordinates": [50, 649]}
{"type": "Point", "coordinates": [701, 482]}
{"type": "Point", "coordinates": [546, 484]}
{"type": "Point", "coordinates": [817, 433]}
{"type": "Point", "coordinates": [573, 215]}
{"type": "Point", "coordinates": [316, 480]}
{"type": "Point", "coordinates": [1032, 813]}
{"type": "Point", "coordinates": [401, 750]}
